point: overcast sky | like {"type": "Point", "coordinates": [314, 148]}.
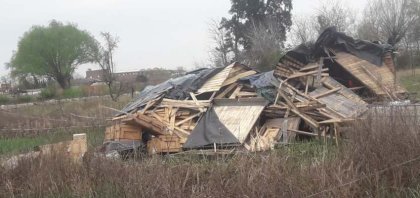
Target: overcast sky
{"type": "Point", "coordinates": [165, 33]}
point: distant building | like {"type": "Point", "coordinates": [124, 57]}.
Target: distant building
{"type": "Point", "coordinates": [149, 76]}
{"type": "Point", "coordinates": [5, 87]}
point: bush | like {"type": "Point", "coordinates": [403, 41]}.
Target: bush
{"type": "Point", "coordinates": [48, 93]}
{"type": "Point", "coordinates": [73, 92]}
{"type": "Point", "coordinates": [4, 99]}
{"type": "Point", "coordinates": [24, 99]}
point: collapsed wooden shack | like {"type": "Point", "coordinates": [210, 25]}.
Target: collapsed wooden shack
{"type": "Point", "coordinates": [310, 94]}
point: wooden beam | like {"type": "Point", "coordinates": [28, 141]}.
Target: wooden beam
{"type": "Point", "coordinates": [327, 92]}
{"type": "Point", "coordinates": [227, 90]}
{"type": "Point", "coordinates": [237, 77]}
{"type": "Point", "coordinates": [196, 101]}
{"type": "Point", "coordinates": [237, 90]}
{"type": "Point", "coordinates": [309, 67]}
{"type": "Point", "coordinates": [148, 105]}
{"type": "Point", "coordinates": [294, 109]}
{"type": "Point", "coordinates": [300, 74]}
{"type": "Point", "coordinates": [187, 119]}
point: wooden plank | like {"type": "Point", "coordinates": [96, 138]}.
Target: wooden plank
{"type": "Point", "coordinates": [235, 78]}
{"type": "Point", "coordinates": [300, 74]}
{"type": "Point", "coordinates": [309, 67]}
{"type": "Point", "coordinates": [327, 92]}
{"type": "Point", "coordinates": [246, 94]}
{"type": "Point", "coordinates": [157, 116]}
{"type": "Point", "coordinates": [181, 103]}
{"type": "Point", "coordinates": [187, 119]}
{"type": "Point", "coordinates": [302, 132]}
{"type": "Point", "coordinates": [334, 120]}
{"type": "Point", "coordinates": [196, 102]}
{"type": "Point", "coordinates": [215, 82]}
{"type": "Point", "coordinates": [227, 90]}
{"type": "Point", "coordinates": [172, 119]}
{"type": "Point", "coordinates": [237, 90]}
{"type": "Point", "coordinates": [182, 131]}
{"type": "Point", "coordinates": [295, 110]}
{"type": "Point", "coordinates": [148, 105]}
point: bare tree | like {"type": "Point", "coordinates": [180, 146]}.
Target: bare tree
{"type": "Point", "coordinates": [335, 13]}
{"type": "Point", "coordinates": [391, 19]}
{"type": "Point", "coordinates": [220, 54]}
{"type": "Point", "coordinates": [104, 57]}
{"type": "Point", "coordinates": [303, 30]}
{"type": "Point", "coordinates": [267, 47]}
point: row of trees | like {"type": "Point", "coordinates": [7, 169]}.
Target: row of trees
{"type": "Point", "coordinates": [55, 51]}
{"type": "Point", "coordinates": [255, 33]}
{"type": "Point", "coordinates": [389, 21]}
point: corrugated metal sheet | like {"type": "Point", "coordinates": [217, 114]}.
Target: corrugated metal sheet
{"type": "Point", "coordinates": [214, 83]}
{"type": "Point", "coordinates": [239, 118]}
{"type": "Point", "coordinates": [379, 79]}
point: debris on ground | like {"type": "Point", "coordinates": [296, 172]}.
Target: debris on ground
{"type": "Point", "coordinates": [311, 93]}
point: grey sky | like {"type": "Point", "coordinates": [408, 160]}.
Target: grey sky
{"type": "Point", "coordinates": [164, 33]}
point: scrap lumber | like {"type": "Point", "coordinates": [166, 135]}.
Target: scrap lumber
{"type": "Point", "coordinates": [302, 74]}
{"type": "Point", "coordinates": [295, 110]}
{"type": "Point", "coordinates": [227, 90]}
{"type": "Point", "coordinates": [237, 77]}
{"type": "Point", "coordinates": [327, 92]}
{"type": "Point", "coordinates": [304, 105]}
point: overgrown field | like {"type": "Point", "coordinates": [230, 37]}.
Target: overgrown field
{"type": "Point", "coordinates": [380, 158]}
{"type": "Point", "coordinates": [410, 80]}
{"type": "Point", "coordinates": [24, 128]}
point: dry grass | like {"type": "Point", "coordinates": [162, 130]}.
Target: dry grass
{"type": "Point", "coordinates": [362, 167]}
{"type": "Point", "coordinates": [410, 80]}
{"type": "Point", "coordinates": [37, 120]}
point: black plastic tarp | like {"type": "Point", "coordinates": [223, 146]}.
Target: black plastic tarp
{"type": "Point", "coordinates": [264, 83]}
{"type": "Point", "coordinates": [261, 80]}
{"type": "Point", "coordinates": [177, 88]}
{"type": "Point", "coordinates": [210, 129]}
{"type": "Point", "coordinates": [330, 38]}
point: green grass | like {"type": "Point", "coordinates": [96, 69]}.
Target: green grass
{"type": "Point", "coordinates": [411, 83]}
{"type": "Point", "coordinates": [73, 92]}
{"type": "Point", "coordinates": [11, 146]}
{"type": "Point", "coordinates": [89, 107]}
{"type": "Point", "coordinates": [4, 99]}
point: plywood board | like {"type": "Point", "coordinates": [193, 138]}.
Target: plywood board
{"type": "Point", "coordinates": [239, 119]}
{"type": "Point", "coordinates": [215, 83]}
{"type": "Point", "coordinates": [379, 79]}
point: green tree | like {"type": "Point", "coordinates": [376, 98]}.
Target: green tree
{"type": "Point", "coordinates": [54, 51]}
{"type": "Point", "coordinates": [251, 18]}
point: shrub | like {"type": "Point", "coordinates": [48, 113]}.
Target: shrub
{"type": "Point", "coordinates": [24, 99]}
{"type": "Point", "coordinates": [4, 99]}
{"type": "Point", "coordinates": [48, 93]}
{"type": "Point", "coordinates": [73, 92]}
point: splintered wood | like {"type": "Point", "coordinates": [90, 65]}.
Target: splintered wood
{"type": "Point", "coordinates": [305, 103]}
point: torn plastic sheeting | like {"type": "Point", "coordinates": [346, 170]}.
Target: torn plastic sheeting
{"type": "Point", "coordinates": [265, 84]}
{"type": "Point", "coordinates": [214, 129]}
{"type": "Point", "coordinates": [261, 80]}
{"type": "Point", "coordinates": [176, 88]}
{"type": "Point", "coordinates": [331, 38]}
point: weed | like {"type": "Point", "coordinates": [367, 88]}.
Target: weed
{"type": "Point", "coordinates": [4, 99]}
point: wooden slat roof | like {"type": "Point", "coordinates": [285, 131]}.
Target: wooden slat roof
{"type": "Point", "coordinates": [379, 79]}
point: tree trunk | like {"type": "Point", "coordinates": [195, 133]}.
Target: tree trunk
{"type": "Point", "coordinates": [64, 82]}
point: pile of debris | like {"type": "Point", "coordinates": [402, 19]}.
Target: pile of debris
{"type": "Point", "coordinates": [311, 93]}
